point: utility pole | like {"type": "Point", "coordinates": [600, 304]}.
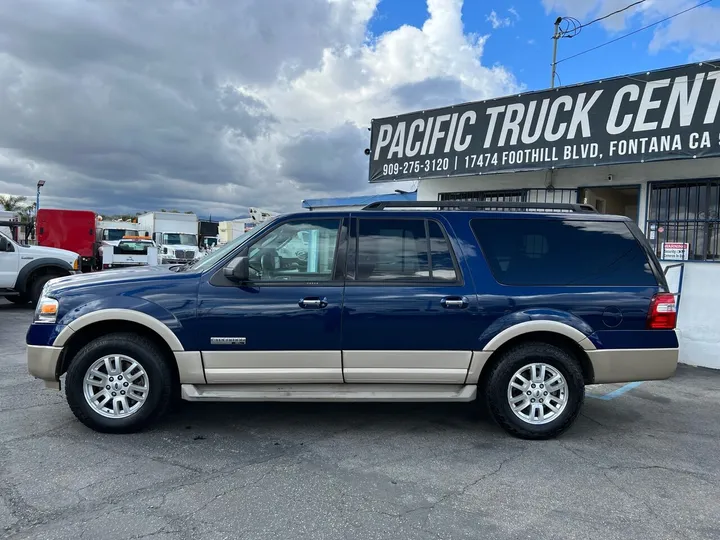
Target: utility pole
{"type": "Point", "coordinates": [40, 184]}
{"type": "Point", "coordinates": [556, 38]}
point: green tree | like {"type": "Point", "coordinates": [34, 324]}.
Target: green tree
{"type": "Point", "coordinates": [26, 213]}
{"type": "Point", "coordinates": [13, 203]}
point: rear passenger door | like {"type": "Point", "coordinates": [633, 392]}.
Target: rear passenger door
{"type": "Point", "coordinates": [410, 305]}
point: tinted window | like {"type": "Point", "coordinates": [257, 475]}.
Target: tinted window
{"type": "Point", "coordinates": [399, 250]}
{"type": "Point", "coordinates": [562, 252]}
{"type": "Point", "coordinates": [443, 268]}
{"type": "Point", "coordinates": [296, 251]}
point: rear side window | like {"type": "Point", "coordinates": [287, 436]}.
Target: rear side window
{"type": "Point", "coordinates": [562, 252]}
{"type": "Point", "coordinates": [403, 250]}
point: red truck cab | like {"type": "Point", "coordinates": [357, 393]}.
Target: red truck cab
{"type": "Point", "coordinates": [73, 230]}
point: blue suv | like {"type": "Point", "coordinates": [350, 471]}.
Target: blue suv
{"type": "Point", "coordinates": [517, 306]}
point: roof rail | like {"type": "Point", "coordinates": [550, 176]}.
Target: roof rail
{"type": "Point", "coordinates": [482, 205]}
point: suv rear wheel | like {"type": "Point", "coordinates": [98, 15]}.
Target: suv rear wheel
{"type": "Point", "coordinates": [119, 383]}
{"type": "Point", "coordinates": [535, 391]}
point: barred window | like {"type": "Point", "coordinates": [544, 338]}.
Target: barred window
{"type": "Point", "coordinates": [683, 221]}
{"type": "Point", "coordinates": [514, 195]}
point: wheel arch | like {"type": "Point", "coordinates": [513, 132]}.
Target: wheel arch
{"type": "Point", "coordinates": [40, 267]}
{"type": "Point", "coordinates": [120, 316]}
{"type": "Point", "coordinates": [565, 340]}
{"type": "Point", "coordinates": [74, 341]}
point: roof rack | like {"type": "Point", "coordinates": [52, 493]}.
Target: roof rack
{"type": "Point", "coordinates": [482, 205]}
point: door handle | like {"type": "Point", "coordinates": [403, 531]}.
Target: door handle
{"type": "Point", "coordinates": [313, 303]}
{"type": "Point", "coordinates": [454, 302]}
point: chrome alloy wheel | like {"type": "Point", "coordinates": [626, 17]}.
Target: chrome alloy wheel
{"type": "Point", "coordinates": [116, 386]}
{"type": "Point", "coordinates": [537, 393]}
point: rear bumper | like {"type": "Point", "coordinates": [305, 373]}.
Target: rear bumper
{"type": "Point", "coordinates": [43, 361]}
{"type": "Point", "coordinates": [628, 365]}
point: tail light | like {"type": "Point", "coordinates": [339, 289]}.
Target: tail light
{"type": "Point", "coordinates": [663, 312]}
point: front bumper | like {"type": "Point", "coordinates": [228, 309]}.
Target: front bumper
{"type": "Point", "coordinates": [43, 363]}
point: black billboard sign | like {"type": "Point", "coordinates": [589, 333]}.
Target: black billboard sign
{"type": "Point", "coordinates": [655, 116]}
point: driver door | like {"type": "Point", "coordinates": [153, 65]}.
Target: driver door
{"type": "Point", "coordinates": [283, 326]}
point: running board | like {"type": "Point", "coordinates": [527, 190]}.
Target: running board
{"type": "Point", "coordinates": [329, 392]}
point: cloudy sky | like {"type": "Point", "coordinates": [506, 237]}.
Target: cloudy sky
{"type": "Point", "coordinates": [216, 105]}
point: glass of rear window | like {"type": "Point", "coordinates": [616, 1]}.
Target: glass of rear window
{"type": "Point", "coordinates": [563, 252]}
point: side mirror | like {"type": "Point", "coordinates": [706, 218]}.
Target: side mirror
{"type": "Point", "coordinates": [238, 270]}
{"type": "Point", "coordinates": [3, 243]}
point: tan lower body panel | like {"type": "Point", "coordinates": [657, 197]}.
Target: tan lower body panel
{"type": "Point", "coordinates": [627, 365]}
{"type": "Point", "coordinates": [258, 367]}
{"type": "Point", "coordinates": [190, 367]}
{"type": "Point", "coordinates": [329, 392]}
{"type": "Point", "coordinates": [479, 359]}
{"type": "Point", "coordinates": [409, 367]}
{"type": "Point", "coordinates": [42, 362]}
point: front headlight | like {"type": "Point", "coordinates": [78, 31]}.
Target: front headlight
{"type": "Point", "coordinates": [46, 311]}
{"type": "Point", "coordinates": [76, 263]}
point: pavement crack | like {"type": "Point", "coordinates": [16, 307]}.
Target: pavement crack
{"type": "Point", "coordinates": [694, 474]}
{"type": "Point", "coordinates": [594, 420]}
{"type": "Point", "coordinates": [430, 508]}
{"type": "Point", "coordinates": [642, 502]}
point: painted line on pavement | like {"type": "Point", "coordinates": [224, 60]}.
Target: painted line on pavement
{"type": "Point", "coordinates": [616, 393]}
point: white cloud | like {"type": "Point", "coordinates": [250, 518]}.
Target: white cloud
{"type": "Point", "coordinates": [514, 13]}
{"type": "Point", "coordinates": [213, 107]}
{"type": "Point", "coordinates": [496, 21]}
{"type": "Point", "coordinates": [693, 32]}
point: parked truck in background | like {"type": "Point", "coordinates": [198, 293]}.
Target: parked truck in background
{"type": "Point", "coordinates": [24, 270]}
{"type": "Point", "coordinates": [113, 230]}
{"type": "Point", "coordinates": [174, 233]}
{"type": "Point", "coordinates": [71, 230]}
{"type": "Point", "coordinates": [229, 230]}
{"type": "Point", "coordinates": [207, 234]}
{"type": "Point", "coordinates": [129, 251]}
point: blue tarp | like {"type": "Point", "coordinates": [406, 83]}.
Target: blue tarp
{"type": "Point", "coordinates": [358, 201]}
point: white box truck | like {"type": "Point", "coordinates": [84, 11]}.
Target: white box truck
{"type": "Point", "coordinates": [229, 230]}
{"type": "Point", "coordinates": [174, 233]}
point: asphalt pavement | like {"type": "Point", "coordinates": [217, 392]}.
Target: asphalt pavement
{"type": "Point", "coordinates": [642, 462]}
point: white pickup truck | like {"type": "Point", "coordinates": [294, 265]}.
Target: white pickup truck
{"type": "Point", "coordinates": [128, 251]}
{"type": "Point", "coordinates": [24, 270]}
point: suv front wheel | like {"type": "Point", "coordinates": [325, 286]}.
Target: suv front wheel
{"type": "Point", "coordinates": [119, 383]}
{"type": "Point", "coordinates": [535, 390]}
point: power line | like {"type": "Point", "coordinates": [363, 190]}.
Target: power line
{"type": "Point", "coordinates": [611, 14]}
{"type": "Point", "coordinates": [635, 31]}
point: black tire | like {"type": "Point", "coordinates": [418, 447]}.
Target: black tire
{"type": "Point", "coordinates": [512, 360]}
{"type": "Point", "coordinates": [18, 299]}
{"type": "Point", "coordinates": [148, 355]}
{"type": "Point", "coordinates": [36, 286]}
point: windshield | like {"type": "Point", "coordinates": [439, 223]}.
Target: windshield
{"type": "Point", "coordinates": [128, 247]}
{"type": "Point", "coordinates": [179, 239]}
{"type": "Point", "coordinates": [210, 260]}
{"type": "Point", "coordinates": [118, 234]}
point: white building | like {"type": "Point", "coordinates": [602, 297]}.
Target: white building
{"type": "Point", "coordinates": [675, 201]}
